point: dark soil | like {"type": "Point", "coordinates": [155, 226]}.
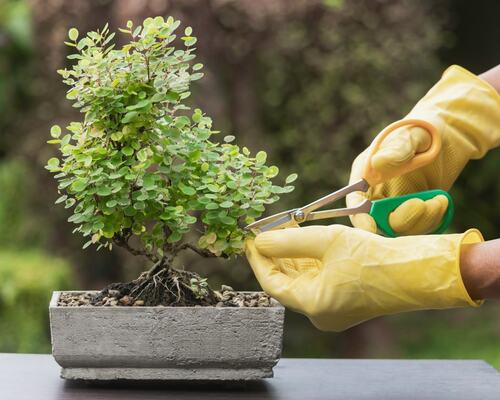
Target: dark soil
{"type": "Point", "coordinates": [166, 287]}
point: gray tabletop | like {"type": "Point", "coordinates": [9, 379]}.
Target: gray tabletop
{"type": "Point", "coordinates": [36, 377]}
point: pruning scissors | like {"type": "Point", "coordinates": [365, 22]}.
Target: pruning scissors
{"type": "Point", "coordinates": [378, 209]}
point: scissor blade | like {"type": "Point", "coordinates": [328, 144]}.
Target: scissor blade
{"type": "Point", "coordinates": [361, 186]}
{"type": "Point", "coordinates": [363, 207]}
{"type": "Point", "coordinates": [279, 223]}
{"type": "Point", "coordinates": [274, 220]}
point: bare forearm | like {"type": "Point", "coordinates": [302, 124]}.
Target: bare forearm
{"type": "Point", "coordinates": [492, 76]}
{"type": "Point", "coordinates": [480, 267]}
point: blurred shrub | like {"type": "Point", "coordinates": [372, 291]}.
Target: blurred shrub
{"type": "Point", "coordinates": [27, 274]}
{"type": "Point", "coordinates": [462, 333]}
{"type": "Point", "coordinates": [20, 224]}
{"type": "Point", "coordinates": [27, 279]}
{"type": "Point", "coordinates": [331, 78]}
{"type": "Point", "coordinates": [15, 69]}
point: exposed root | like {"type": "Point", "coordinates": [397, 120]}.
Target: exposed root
{"type": "Point", "coordinates": [162, 286]}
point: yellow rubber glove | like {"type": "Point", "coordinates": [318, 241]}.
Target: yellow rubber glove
{"type": "Point", "coordinates": [340, 276]}
{"type": "Point", "coordinates": [466, 111]}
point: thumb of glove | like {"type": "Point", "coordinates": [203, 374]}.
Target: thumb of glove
{"type": "Point", "coordinates": [400, 147]}
{"type": "Point", "coordinates": [307, 242]}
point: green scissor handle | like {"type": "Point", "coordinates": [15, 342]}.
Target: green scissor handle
{"type": "Point", "coordinates": [381, 209]}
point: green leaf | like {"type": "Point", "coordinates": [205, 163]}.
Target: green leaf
{"type": "Point", "coordinates": [171, 96]}
{"type": "Point", "coordinates": [103, 191]}
{"type": "Point", "coordinates": [142, 155]}
{"type": "Point", "coordinates": [182, 121]}
{"type": "Point", "coordinates": [128, 151]}
{"type": "Point", "coordinates": [228, 220]}
{"type": "Point", "coordinates": [79, 185]}
{"type": "Point", "coordinates": [69, 203]}
{"type": "Point", "coordinates": [211, 237]}
{"type": "Point", "coordinates": [291, 178]}
{"type": "Point", "coordinates": [61, 199]}
{"type": "Point", "coordinates": [55, 131]}
{"type": "Point", "coordinates": [149, 182]}
{"type": "Point", "coordinates": [190, 41]}
{"type": "Point", "coordinates": [229, 138]}
{"type": "Point", "coordinates": [87, 161]}
{"type": "Point", "coordinates": [73, 34]}
{"type": "Point", "coordinates": [196, 76]}
{"type": "Point", "coordinates": [111, 203]}
{"type": "Point", "coordinates": [174, 237]}
{"type": "Point", "coordinates": [129, 117]}
{"type": "Point", "coordinates": [139, 205]}
{"type": "Point", "coordinates": [187, 190]}
{"type": "Point", "coordinates": [213, 188]}
{"type": "Point", "coordinates": [136, 31]}
{"type": "Point", "coordinates": [116, 136]}
{"type": "Point", "coordinates": [195, 155]}
{"type": "Point", "coordinates": [261, 157]}
{"type": "Point", "coordinates": [72, 94]}
{"type": "Point", "coordinates": [226, 204]}
{"type": "Point", "coordinates": [277, 189]}
{"type": "Point", "coordinates": [108, 234]}
{"type": "Point", "coordinates": [141, 104]}
{"type": "Point", "coordinates": [272, 171]}
{"type": "Point", "coordinates": [53, 162]}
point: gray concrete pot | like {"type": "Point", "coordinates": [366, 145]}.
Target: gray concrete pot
{"type": "Point", "coordinates": [166, 343]}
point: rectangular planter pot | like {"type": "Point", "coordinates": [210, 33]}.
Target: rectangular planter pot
{"type": "Point", "coordinates": [166, 343]}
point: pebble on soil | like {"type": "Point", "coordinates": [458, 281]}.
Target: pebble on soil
{"type": "Point", "coordinates": [226, 297]}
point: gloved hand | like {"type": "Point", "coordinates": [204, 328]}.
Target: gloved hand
{"type": "Point", "coordinates": [466, 111]}
{"type": "Point", "coordinates": [340, 276]}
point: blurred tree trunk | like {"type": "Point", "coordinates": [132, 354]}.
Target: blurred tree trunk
{"type": "Point", "coordinates": [372, 339]}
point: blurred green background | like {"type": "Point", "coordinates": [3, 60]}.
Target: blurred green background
{"type": "Point", "coordinates": [309, 81]}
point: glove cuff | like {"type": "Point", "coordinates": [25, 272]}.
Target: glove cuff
{"type": "Point", "coordinates": [440, 284]}
{"type": "Point", "coordinates": [422, 272]}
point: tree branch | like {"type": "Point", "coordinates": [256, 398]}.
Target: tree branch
{"type": "Point", "coordinates": [201, 252]}
{"type": "Point", "coordinates": [122, 241]}
{"type": "Point", "coordinates": [167, 247]}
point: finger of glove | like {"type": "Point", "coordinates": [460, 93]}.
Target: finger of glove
{"type": "Point", "coordinates": [294, 267]}
{"type": "Point", "coordinates": [275, 283]}
{"type": "Point", "coordinates": [400, 146]}
{"type": "Point", "coordinates": [308, 242]}
{"type": "Point", "coordinates": [416, 217]}
{"type": "Point", "coordinates": [269, 275]}
{"type": "Point", "coordinates": [361, 221]}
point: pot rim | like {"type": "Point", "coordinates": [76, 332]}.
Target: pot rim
{"type": "Point", "coordinates": [55, 298]}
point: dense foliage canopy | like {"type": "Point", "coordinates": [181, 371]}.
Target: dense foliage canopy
{"type": "Point", "coordinates": [142, 164]}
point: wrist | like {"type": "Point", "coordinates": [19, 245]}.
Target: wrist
{"type": "Point", "coordinates": [492, 77]}
{"type": "Point", "coordinates": [480, 269]}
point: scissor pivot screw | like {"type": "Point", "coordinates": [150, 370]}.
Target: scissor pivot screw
{"type": "Point", "coordinates": [299, 216]}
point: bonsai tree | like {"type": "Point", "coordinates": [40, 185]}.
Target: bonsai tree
{"type": "Point", "coordinates": [143, 170]}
